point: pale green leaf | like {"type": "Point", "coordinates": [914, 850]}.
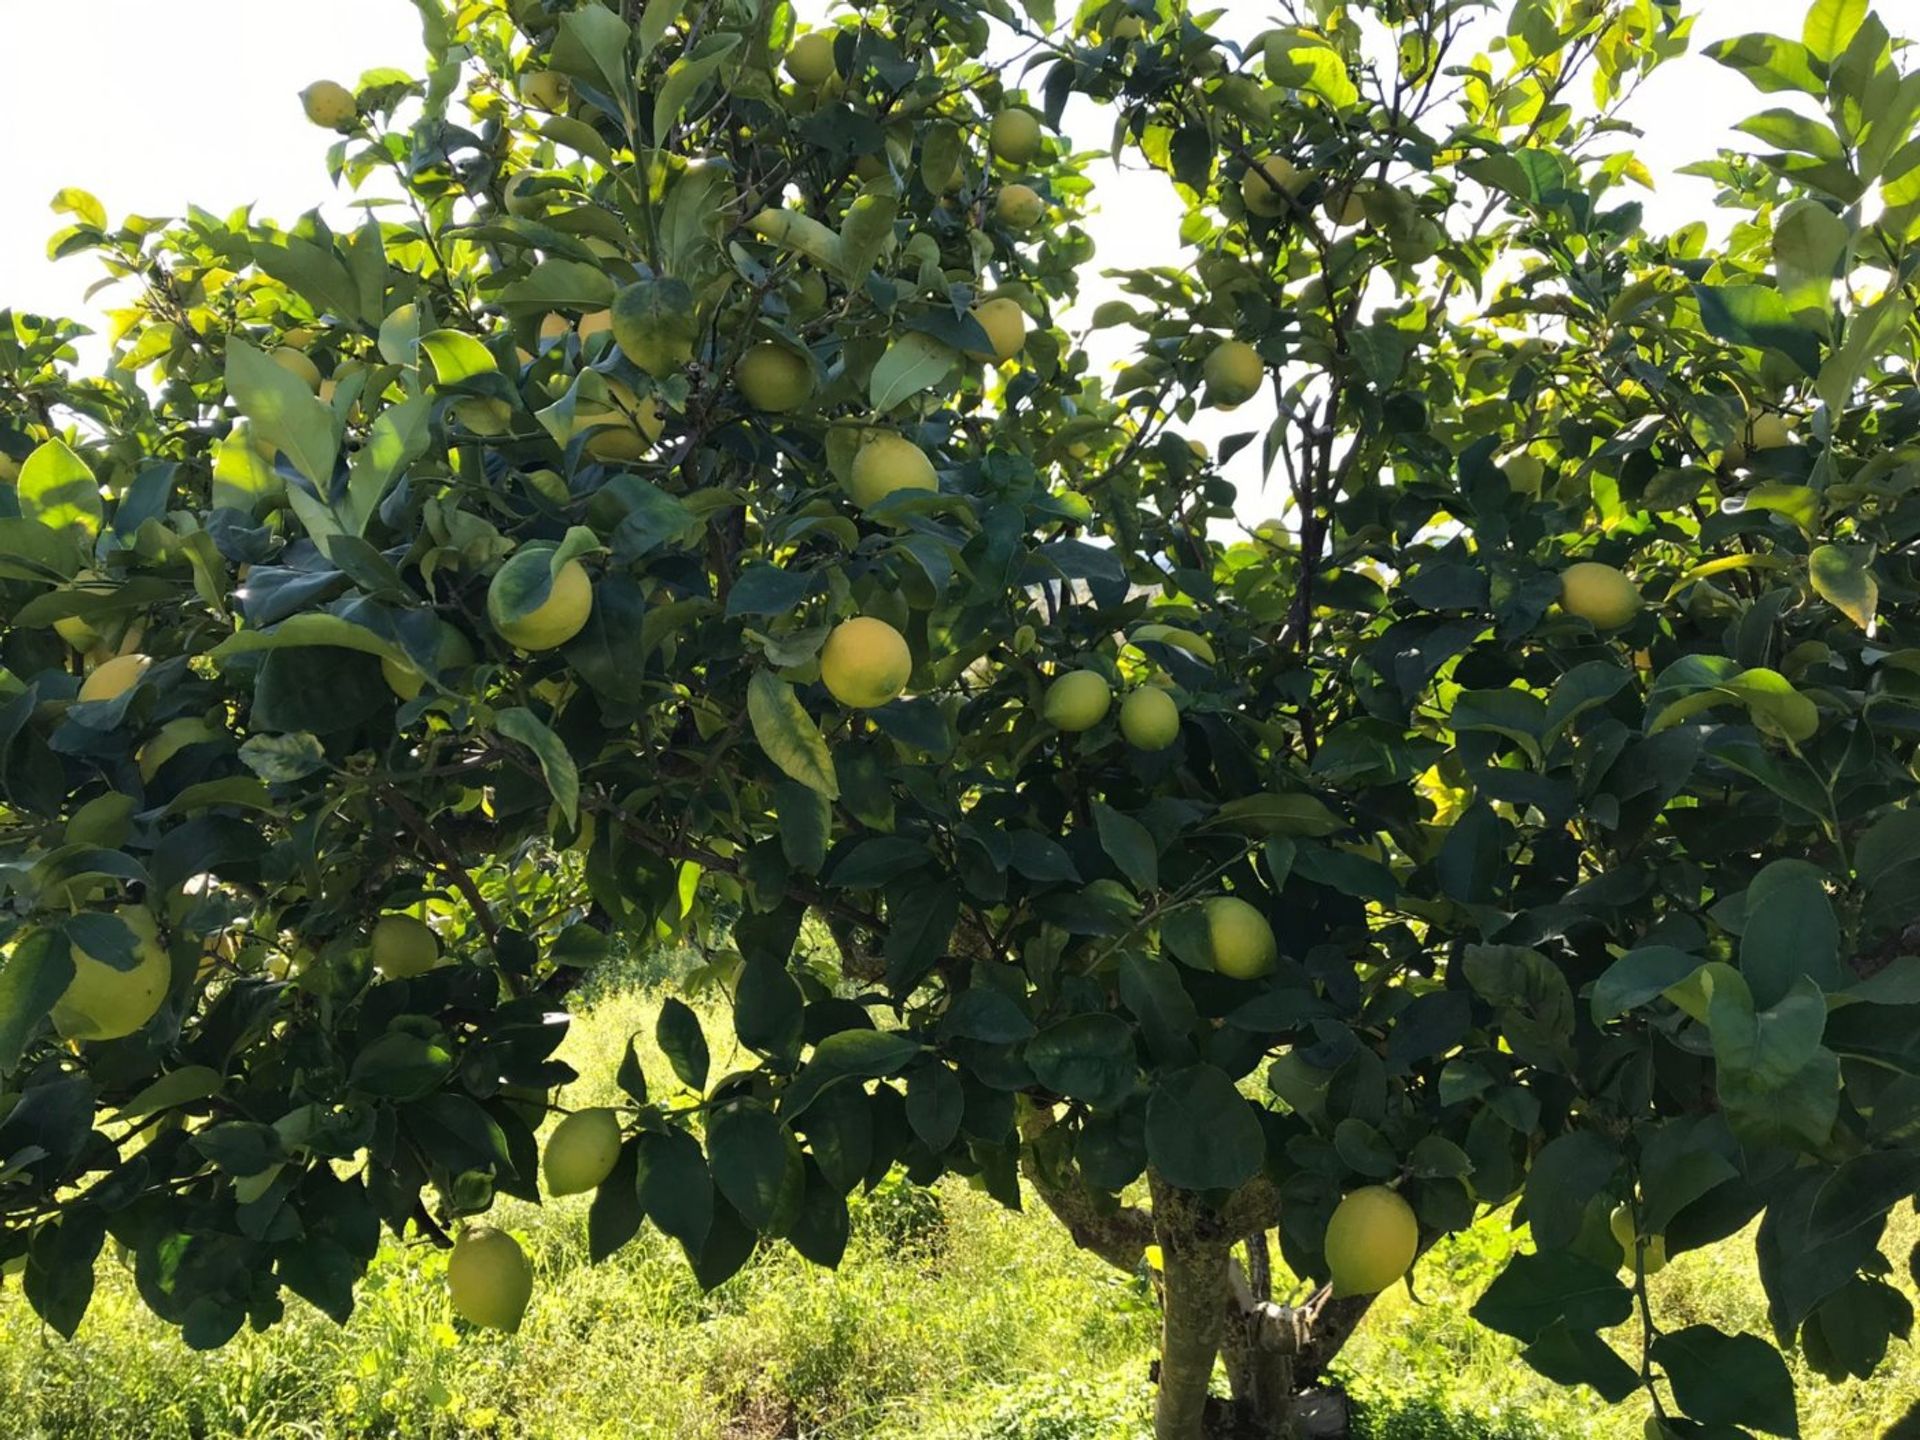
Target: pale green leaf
{"type": "Point", "coordinates": [788, 735]}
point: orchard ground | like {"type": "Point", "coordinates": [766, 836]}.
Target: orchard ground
{"type": "Point", "coordinates": [951, 1319]}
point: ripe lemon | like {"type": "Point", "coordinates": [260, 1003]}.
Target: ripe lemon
{"type": "Point", "coordinates": [555, 620]}
{"type": "Point", "coordinates": [1524, 474]}
{"type": "Point", "coordinates": [581, 1151]}
{"type": "Point", "coordinates": [77, 632]}
{"type": "Point", "coordinates": [1271, 196]}
{"type": "Point", "coordinates": [102, 1003]}
{"type": "Point", "coordinates": [329, 104]}
{"type": "Point", "coordinates": [886, 464]}
{"type": "Point", "coordinates": [111, 679]}
{"type": "Point", "coordinates": [299, 365]}
{"type": "Point", "coordinates": [599, 322]}
{"type": "Point", "coordinates": [404, 946]}
{"type": "Point", "coordinates": [1015, 136]}
{"type": "Point", "coordinates": [771, 377]}
{"type": "Point", "coordinates": [1653, 1259]}
{"type": "Point", "coordinates": [865, 662]}
{"type": "Point", "coordinates": [1599, 593]}
{"type": "Point", "coordinates": [489, 1279]}
{"type": "Point", "coordinates": [452, 652]}
{"type": "Point", "coordinates": [810, 61]}
{"type": "Point", "coordinates": [623, 430]}
{"type": "Point", "coordinates": [172, 738]}
{"type": "Point", "coordinates": [1078, 700]}
{"type": "Point", "coordinates": [1234, 373]}
{"type": "Point", "coordinates": [1006, 326]}
{"type": "Point", "coordinates": [1371, 1241]}
{"type": "Point", "coordinates": [1242, 940]}
{"type": "Point", "coordinates": [1019, 207]}
{"type": "Point", "coordinates": [1149, 718]}
{"type": "Point", "coordinates": [1769, 431]}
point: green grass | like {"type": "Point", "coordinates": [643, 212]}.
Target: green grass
{"type": "Point", "coordinates": [951, 1319]}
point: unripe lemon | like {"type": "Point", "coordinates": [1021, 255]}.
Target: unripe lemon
{"type": "Point", "coordinates": [810, 61]}
{"type": "Point", "coordinates": [886, 464]}
{"type": "Point", "coordinates": [1129, 27]}
{"type": "Point", "coordinates": [1234, 373]}
{"type": "Point", "coordinates": [1019, 207]}
{"type": "Point", "coordinates": [1653, 1259]}
{"type": "Point", "coordinates": [1345, 210]}
{"type": "Point", "coordinates": [865, 662]}
{"type": "Point", "coordinates": [329, 104]}
{"type": "Point", "coordinates": [1371, 1241]}
{"type": "Point", "coordinates": [555, 620]}
{"type": "Point", "coordinates": [544, 90]}
{"type": "Point", "coordinates": [404, 946]}
{"type": "Point", "coordinates": [1600, 594]}
{"type": "Point", "coordinates": [299, 365]}
{"type": "Point", "coordinates": [102, 1003]}
{"type": "Point", "coordinates": [1149, 718]}
{"type": "Point", "coordinates": [450, 653]}
{"type": "Point", "coordinates": [1241, 939]}
{"type": "Point", "coordinates": [111, 679]}
{"type": "Point", "coordinates": [1271, 196]}
{"type": "Point", "coordinates": [172, 738]}
{"type": "Point", "coordinates": [869, 167]}
{"type": "Point", "coordinates": [489, 1279]}
{"type": "Point", "coordinates": [1006, 326]}
{"type": "Point", "coordinates": [1015, 136]}
{"type": "Point", "coordinates": [771, 377]}
{"type": "Point", "coordinates": [1770, 432]}
{"type": "Point", "coordinates": [520, 196]}
{"type": "Point", "coordinates": [581, 1152]}
{"type": "Point", "coordinates": [1078, 700]}
{"type": "Point", "coordinates": [1524, 474]}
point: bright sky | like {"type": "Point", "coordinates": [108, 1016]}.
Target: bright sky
{"type": "Point", "coordinates": [150, 106]}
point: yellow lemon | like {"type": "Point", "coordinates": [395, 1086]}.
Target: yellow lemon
{"type": "Point", "coordinates": [450, 653]}
{"type": "Point", "coordinates": [1599, 593]}
{"type": "Point", "coordinates": [887, 464]}
{"type": "Point", "coordinates": [329, 104]}
{"type": "Point", "coordinates": [77, 632]}
{"type": "Point", "coordinates": [172, 738]}
{"type": "Point", "coordinates": [1078, 700]}
{"type": "Point", "coordinates": [1019, 207]}
{"type": "Point", "coordinates": [489, 1279]}
{"type": "Point", "coordinates": [103, 1003]}
{"type": "Point", "coordinates": [556, 619]}
{"type": "Point", "coordinates": [544, 90]}
{"type": "Point", "coordinates": [299, 365]}
{"type": "Point", "coordinates": [865, 662]}
{"type": "Point", "coordinates": [810, 61]}
{"type": "Point", "coordinates": [404, 946]}
{"type": "Point", "coordinates": [111, 679]}
{"type": "Point", "coordinates": [771, 377]}
{"type": "Point", "coordinates": [581, 1151]}
{"type": "Point", "coordinates": [1015, 136]}
{"type": "Point", "coordinates": [1242, 940]}
{"type": "Point", "coordinates": [1270, 184]}
{"type": "Point", "coordinates": [1149, 718]}
{"type": "Point", "coordinates": [1371, 1241]}
{"type": "Point", "coordinates": [1234, 373]}
{"type": "Point", "coordinates": [623, 431]}
{"type": "Point", "coordinates": [1006, 326]}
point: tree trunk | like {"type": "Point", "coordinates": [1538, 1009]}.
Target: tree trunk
{"type": "Point", "coordinates": [1193, 1312]}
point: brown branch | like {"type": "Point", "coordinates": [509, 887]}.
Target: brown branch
{"type": "Point", "coordinates": [443, 855]}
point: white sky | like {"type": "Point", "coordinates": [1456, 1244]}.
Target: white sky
{"type": "Point", "coordinates": [151, 105]}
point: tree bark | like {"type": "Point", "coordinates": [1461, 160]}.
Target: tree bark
{"type": "Point", "coordinates": [1193, 1311]}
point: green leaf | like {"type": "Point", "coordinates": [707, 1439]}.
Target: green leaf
{"type": "Point", "coordinates": [1129, 844]}
{"type": "Point", "coordinates": [1830, 27]}
{"type": "Point", "coordinates": [1085, 1057]}
{"type": "Point", "coordinates": [787, 734]}
{"type": "Point", "coordinates": [457, 356]}
{"type": "Point", "coordinates": [1790, 934]}
{"type": "Point", "coordinates": [677, 1032]}
{"type": "Point", "coordinates": [34, 975]}
{"type": "Point", "coordinates": [616, 1214]}
{"type": "Point", "coordinates": [313, 628]}
{"type": "Point", "coordinates": [1844, 578]}
{"type": "Point", "coordinates": [177, 1087]}
{"type": "Point", "coordinates": [1721, 1379]}
{"type": "Point", "coordinates": [936, 1099]}
{"type": "Point", "coordinates": [1754, 316]}
{"type": "Point", "coordinates": [1637, 977]}
{"type": "Point", "coordinates": [674, 1186]}
{"type": "Point", "coordinates": [684, 78]}
{"type": "Point", "coordinates": [284, 412]}
{"type": "Point", "coordinates": [1296, 814]}
{"type": "Point", "coordinates": [57, 489]}
{"type": "Point", "coordinates": [1580, 1357]}
{"type": "Point", "coordinates": [399, 436]}
{"type": "Point", "coordinates": [914, 362]}
{"type": "Point", "coordinates": [556, 764]}
{"type": "Point", "coordinates": [1202, 1133]}
{"type": "Point", "coordinates": [592, 46]}
{"type": "Point", "coordinates": [560, 285]}
{"type": "Point", "coordinates": [1539, 1290]}
{"type": "Point", "coordinates": [755, 1162]}
{"type": "Point", "coordinates": [400, 1065]}
{"type": "Point", "coordinates": [280, 759]}
{"type": "Point", "coordinates": [806, 825]}
{"type": "Point", "coordinates": [1567, 1173]}
{"type": "Point", "coordinates": [847, 1055]}
{"type": "Point", "coordinates": [1771, 63]}
{"type": "Point", "coordinates": [1809, 242]}
{"type": "Point", "coordinates": [1301, 62]}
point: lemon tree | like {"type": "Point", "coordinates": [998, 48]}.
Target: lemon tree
{"type": "Point", "coordinates": [696, 515]}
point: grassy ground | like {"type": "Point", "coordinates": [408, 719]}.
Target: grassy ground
{"type": "Point", "coordinates": [951, 1319]}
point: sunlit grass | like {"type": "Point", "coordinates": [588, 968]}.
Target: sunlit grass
{"type": "Point", "coordinates": [951, 1319]}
